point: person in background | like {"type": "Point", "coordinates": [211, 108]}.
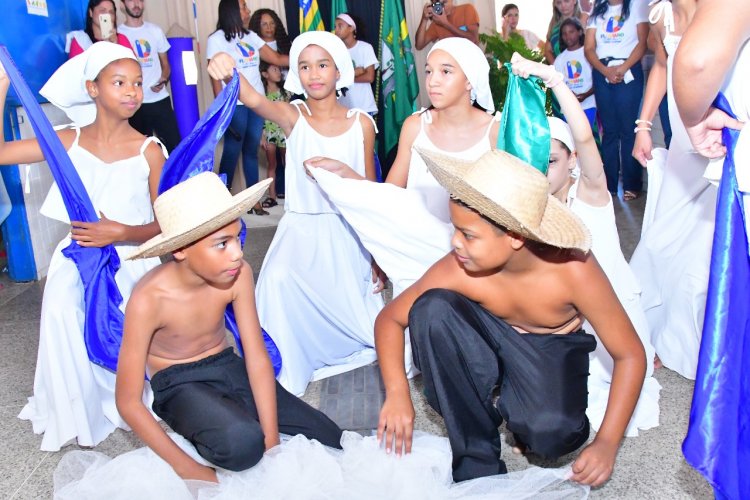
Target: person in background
{"type": "Point", "coordinates": [561, 10]}
{"type": "Point", "coordinates": [576, 70]}
{"type": "Point", "coordinates": [510, 27]}
{"type": "Point", "coordinates": [359, 95]}
{"type": "Point", "coordinates": [80, 40]}
{"type": "Point", "coordinates": [155, 116]}
{"type": "Point", "coordinates": [446, 20]}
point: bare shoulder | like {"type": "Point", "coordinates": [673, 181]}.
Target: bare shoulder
{"type": "Point", "coordinates": [67, 136]}
{"type": "Point", "coordinates": [245, 281]}
{"type": "Point", "coordinates": [411, 128]}
{"type": "Point", "coordinates": [154, 286]}
{"type": "Point", "coordinates": [367, 122]}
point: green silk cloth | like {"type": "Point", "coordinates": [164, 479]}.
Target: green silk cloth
{"type": "Point", "coordinates": [524, 129]}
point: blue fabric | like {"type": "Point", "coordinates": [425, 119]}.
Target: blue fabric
{"type": "Point", "coordinates": [718, 439]}
{"type": "Point", "coordinates": [243, 135]}
{"type": "Point", "coordinates": [195, 154]}
{"type": "Point", "coordinates": [103, 320]}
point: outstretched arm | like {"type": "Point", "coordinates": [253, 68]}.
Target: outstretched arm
{"type": "Point", "coordinates": [221, 68]}
{"type": "Point", "coordinates": [592, 187]}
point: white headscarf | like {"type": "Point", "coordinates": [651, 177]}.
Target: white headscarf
{"type": "Point", "coordinates": [66, 88]}
{"type": "Point", "coordinates": [331, 44]}
{"type": "Point", "coordinates": [474, 64]}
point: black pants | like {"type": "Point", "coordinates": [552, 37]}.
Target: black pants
{"type": "Point", "coordinates": [465, 353]}
{"type": "Point", "coordinates": [157, 118]}
{"type": "Point", "coordinates": [210, 403]}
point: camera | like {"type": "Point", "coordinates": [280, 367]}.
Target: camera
{"type": "Point", "coordinates": [437, 8]}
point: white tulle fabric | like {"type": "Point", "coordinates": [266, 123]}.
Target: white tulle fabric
{"type": "Point", "coordinates": [302, 469]}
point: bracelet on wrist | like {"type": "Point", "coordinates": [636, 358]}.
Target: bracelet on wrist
{"type": "Point", "coordinates": [647, 122]}
{"type": "Point", "coordinates": [641, 129]}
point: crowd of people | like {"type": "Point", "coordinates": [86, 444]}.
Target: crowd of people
{"type": "Point", "coordinates": [511, 294]}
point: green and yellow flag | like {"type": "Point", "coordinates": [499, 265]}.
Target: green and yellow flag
{"type": "Point", "coordinates": [398, 77]}
{"type": "Point", "coordinates": [337, 7]}
{"type": "Point", "coordinates": [309, 16]}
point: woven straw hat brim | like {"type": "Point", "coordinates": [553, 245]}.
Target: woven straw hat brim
{"type": "Point", "coordinates": [216, 218]}
{"type": "Point", "coordinates": [559, 226]}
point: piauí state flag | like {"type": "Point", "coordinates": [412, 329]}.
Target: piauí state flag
{"type": "Point", "coordinates": [398, 73]}
{"type": "Point", "coordinates": [309, 16]}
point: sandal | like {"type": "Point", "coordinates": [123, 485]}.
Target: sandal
{"type": "Point", "coordinates": [630, 195]}
{"type": "Point", "coordinates": [269, 202]}
{"type": "Point", "coordinates": [281, 196]}
{"type": "Point", "coordinates": [257, 210]}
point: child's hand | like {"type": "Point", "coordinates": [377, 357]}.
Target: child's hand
{"type": "Point", "coordinates": [706, 134]}
{"type": "Point", "coordinates": [525, 68]}
{"type": "Point", "coordinates": [97, 234]}
{"type": "Point", "coordinates": [378, 278]}
{"type": "Point", "coordinates": [595, 463]}
{"type": "Point", "coordinates": [221, 66]}
{"type": "Point", "coordinates": [396, 423]}
{"type": "Point", "coordinates": [335, 166]}
{"type": "Point", "coordinates": [199, 472]}
{"type": "Point", "coordinates": [643, 147]}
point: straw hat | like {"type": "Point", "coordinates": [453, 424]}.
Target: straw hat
{"type": "Point", "coordinates": [513, 194]}
{"type": "Point", "coordinates": [196, 208]}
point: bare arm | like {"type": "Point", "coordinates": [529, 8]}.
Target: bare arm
{"type": "Point", "coordinates": [656, 88]}
{"type": "Point", "coordinates": [549, 53]}
{"type": "Point", "coordinates": [364, 75]}
{"type": "Point", "coordinates": [258, 364]}
{"type": "Point", "coordinates": [272, 57]}
{"type": "Point", "coordinates": [368, 130]}
{"type": "Point", "coordinates": [637, 54]}
{"type": "Point", "coordinates": [707, 51]}
{"type": "Point", "coordinates": [141, 321]}
{"type": "Point", "coordinates": [589, 50]}
{"type": "Point", "coordinates": [399, 172]}
{"type": "Point", "coordinates": [594, 297]}
{"type": "Point", "coordinates": [166, 71]}
{"type": "Point", "coordinates": [471, 33]}
{"type": "Point", "coordinates": [221, 67]}
{"type": "Point", "coordinates": [421, 39]}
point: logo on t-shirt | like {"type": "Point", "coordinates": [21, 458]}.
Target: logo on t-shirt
{"type": "Point", "coordinates": [574, 69]}
{"type": "Point", "coordinates": [143, 52]}
{"type": "Point", "coordinates": [615, 24]}
{"type": "Point", "coordinates": [246, 50]}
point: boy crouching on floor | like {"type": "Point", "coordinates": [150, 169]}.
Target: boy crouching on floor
{"type": "Point", "coordinates": [230, 409]}
{"type": "Point", "coordinates": [496, 328]}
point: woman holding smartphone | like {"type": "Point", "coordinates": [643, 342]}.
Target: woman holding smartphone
{"type": "Point", "coordinates": [101, 22]}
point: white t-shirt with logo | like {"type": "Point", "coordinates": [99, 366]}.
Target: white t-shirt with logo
{"type": "Point", "coordinates": [617, 37]}
{"type": "Point", "coordinates": [359, 95]}
{"type": "Point", "coordinates": [148, 42]}
{"type": "Point", "coordinates": [245, 50]}
{"type": "Point", "coordinates": [576, 71]}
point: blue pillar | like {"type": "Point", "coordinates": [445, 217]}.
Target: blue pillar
{"type": "Point", "coordinates": [184, 97]}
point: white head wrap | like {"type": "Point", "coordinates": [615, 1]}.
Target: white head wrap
{"type": "Point", "coordinates": [560, 130]}
{"type": "Point", "coordinates": [66, 88]}
{"type": "Point", "coordinates": [474, 64]}
{"type": "Point", "coordinates": [347, 19]}
{"type": "Point", "coordinates": [331, 44]}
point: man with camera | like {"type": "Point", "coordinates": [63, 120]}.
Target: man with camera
{"type": "Point", "coordinates": [446, 20]}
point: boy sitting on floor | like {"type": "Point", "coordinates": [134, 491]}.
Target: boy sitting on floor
{"type": "Point", "coordinates": [496, 328]}
{"type": "Point", "coordinates": [231, 410]}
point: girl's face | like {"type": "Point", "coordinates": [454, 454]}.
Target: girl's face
{"type": "Point", "coordinates": [244, 13]}
{"type": "Point", "coordinates": [445, 81]}
{"type": "Point", "coordinates": [317, 72]}
{"type": "Point", "coordinates": [571, 37]}
{"type": "Point", "coordinates": [512, 17]}
{"type": "Point", "coordinates": [103, 8]}
{"type": "Point", "coordinates": [267, 28]}
{"type": "Point", "coordinates": [272, 74]}
{"type": "Point", "coordinates": [118, 89]}
{"type": "Point", "coordinates": [561, 164]}
{"type": "Point", "coordinates": [343, 30]}
{"type": "Point", "coordinates": [566, 8]}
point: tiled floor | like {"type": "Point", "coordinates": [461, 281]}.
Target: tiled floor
{"type": "Point", "coordinates": [649, 466]}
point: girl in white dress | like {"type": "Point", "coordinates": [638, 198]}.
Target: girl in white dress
{"type": "Point", "coordinates": [672, 259]}
{"type": "Point", "coordinates": [120, 169]}
{"type": "Point", "coordinates": [314, 294]}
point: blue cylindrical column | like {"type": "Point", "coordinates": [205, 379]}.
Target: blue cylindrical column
{"type": "Point", "coordinates": [184, 95]}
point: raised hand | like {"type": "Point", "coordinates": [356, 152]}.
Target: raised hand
{"type": "Point", "coordinates": [221, 66]}
{"type": "Point", "coordinates": [525, 68]}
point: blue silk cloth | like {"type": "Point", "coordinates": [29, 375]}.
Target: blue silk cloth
{"type": "Point", "coordinates": [718, 439]}
{"type": "Point", "coordinates": [195, 154]}
{"type": "Point", "coordinates": [524, 129]}
{"type": "Point", "coordinates": [103, 320]}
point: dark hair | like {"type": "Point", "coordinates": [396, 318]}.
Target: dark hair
{"type": "Point", "coordinates": [601, 6]}
{"type": "Point", "coordinates": [509, 6]}
{"type": "Point", "coordinates": [572, 21]}
{"type": "Point", "coordinates": [282, 38]}
{"type": "Point", "coordinates": [263, 68]}
{"type": "Point", "coordinates": [359, 29]}
{"type": "Point", "coordinates": [499, 228]}
{"type": "Point", "coordinates": [230, 19]}
{"type": "Point", "coordinates": [90, 19]}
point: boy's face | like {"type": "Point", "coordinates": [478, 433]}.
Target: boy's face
{"type": "Point", "coordinates": [343, 30]}
{"type": "Point", "coordinates": [477, 244]}
{"type": "Point", "coordinates": [217, 258]}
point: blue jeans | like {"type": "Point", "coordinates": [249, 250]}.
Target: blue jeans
{"type": "Point", "coordinates": [243, 135]}
{"type": "Point", "coordinates": [618, 106]}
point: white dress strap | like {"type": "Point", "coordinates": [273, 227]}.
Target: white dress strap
{"type": "Point", "coordinates": [156, 141]}
{"type": "Point", "coordinates": [662, 9]}
{"type": "Point", "coordinates": [296, 104]}
{"type": "Point", "coordinates": [359, 112]}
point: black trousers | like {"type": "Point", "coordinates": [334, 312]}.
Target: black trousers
{"type": "Point", "coordinates": [466, 353]}
{"type": "Point", "coordinates": [210, 403]}
{"type": "Point", "coordinates": [157, 118]}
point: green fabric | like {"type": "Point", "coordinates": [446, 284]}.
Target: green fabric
{"type": "Point", "coordinates": [398, 82]}
{"type": "Point", "coordinates": [524, 129]}
{"type": "Point", "coordinates": [337, 7]}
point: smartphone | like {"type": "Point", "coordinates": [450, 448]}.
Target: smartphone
{"type": "Point", "coordinates": [105, 25]}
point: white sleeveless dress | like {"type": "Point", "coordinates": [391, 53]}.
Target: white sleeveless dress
{"type": "Point", "coordinates": [672, 259]}
{"type": "Point", "coordinates": [605, 245]}
{"type": "Point", "coordinates": [74, 398]}
{"type": "Point", "coordinates": [315, 293]}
